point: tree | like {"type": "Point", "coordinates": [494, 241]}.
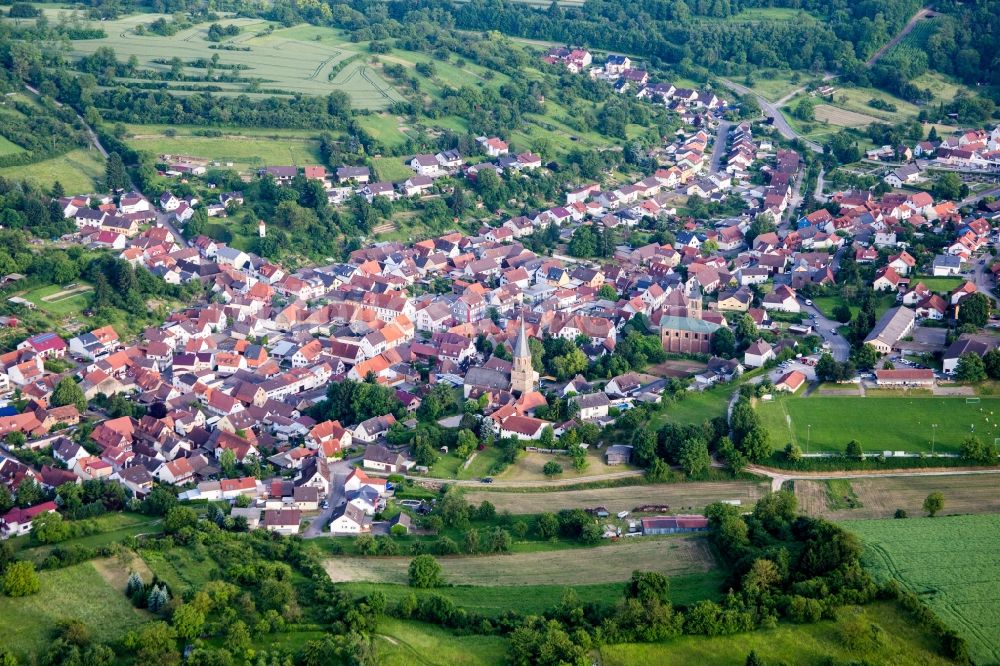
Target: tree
{"type": "Point", "coordinates": [29, 493]}
{"type": "Point", "coordinates": [188, 621]}
{"type": "Point", "coordinates": [178, 518]}
{"type": "Point", "coordinates": [934, 503]}
{"type": "Point", "coordinates": [753, 659]}
{"type": "Point", "coordinates": [805, 110]}
{"type": "Point", "coordinates": [50, 528]}
{"type": "Point", "coordinates": [991, 361]}
{"type": "Point", "coordinates": [20, 580]}
{"type": "Point", "coordinates": [68, 392]}
{"type": "Point", "coordinates": [724, 343]}
{"type": "Point", "coordinates": [154, 643]}
{"type": "Point", "coordinates": [694, 457]}
{"type": "Point", "coordinates": [974, 309]}
{"type": "Point", "coordinates": [547, 525]}
{"type": "Point", "coordinates": [974, 449]}
{"type": "Point", "coordinates": [425, 572]}
{"type": "Point", "coordinates": [853, 450]}
{"type": "Point", "coordinates": [547, 440]}
{"type": "Point", "coordinates": [842, 313]}
{"type": "Point", "coordinates": [607, 292]}
{"type": "Point", "coordinates": [552, 468]}
{"type": "Point", "coordinates": [115, 176]}
{"type": "Point", "coordinates": [865, 357]}
{"type": "Point", "coordinates": [948, 185]}
{"type": "Point", "coordinates": [970, 368]}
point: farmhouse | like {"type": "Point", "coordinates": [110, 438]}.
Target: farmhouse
{"type": "Point", "coordinates": [673, 524]}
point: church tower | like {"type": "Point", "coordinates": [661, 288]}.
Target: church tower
{"type": "Point", "coordinates": [523, 378]}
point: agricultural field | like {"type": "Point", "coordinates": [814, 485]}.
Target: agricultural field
{"type": "Point", "coordinates": [8, 147]}
{"type": "Point", "coordinates": [289, 60]}
{"type": "Point", "coordinates": [536, 599]}
{"type": "Point", "coordinates": [686, 497]}
{"type": "Point", "coordinates": [674, 556]}
{"type": "Point", "coordinates": [79, 592]}
{"type": "Point", "coordinates": [80, 170]}
{"type": "Point", "coordinates": [879, 497]}
{"type": "Point", "coordinates": [841, 117]}
{"type": "Point", "coordinates": [917, 38]}
{"type": "Point", "coordinates": [904, 422]}
{"type": "Point", "coordinates": [404, 643]}
{"type": "Point", "coordinates": [243, 147]}
{"type": "Point", "coordinates": [809, 645]}
{"type": "Point", "coordinates": [951, 563]}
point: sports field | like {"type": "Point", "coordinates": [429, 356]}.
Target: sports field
{"type": "Point", "coordinates": [601, 564]}
{"type": "Point", "coordinates": [879, 423]}
{"type": "Point", "coordinates": [952, 563]}
{"type": "Point", "coordinates": [289, 60]}
{"type": "Point", "coordinates": [693, 496]}
{"type": "Point", "coordinates": [879, 497]}
{"type": "Point", "coordinates": [56, 300]}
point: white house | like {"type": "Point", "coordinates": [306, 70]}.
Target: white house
{"type": "Point", "coordinates": [758, 354]}
{"type": "Point", "coordinates": [349, 519]}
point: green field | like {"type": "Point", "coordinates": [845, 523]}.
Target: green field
{"type": "Point", "coordinates": [111, 528]}
{"type": "Point", "coordinates": [78, 592]}
{"type": "Point", "coordinates": [951, 563]}
{"type": "Point", "coordinates": [391, 169]}
{"type": "Point", "coordinates": [826, 304]}
{"type": "Point", "coordinates": [404, 643]}
{"type": "Point", "coordinates": [696, 408]}
{"type": "Point", "coordinates": [242, 147]}
{"type": "Point", "coordinates": [182, 569]}
{"type": "Point", "coordinates": [289, 60]}
{"type": "Point", "coordinates": [803, 645]}
{"type": "Point", "coordinates": [8, 147]}
{"type": "Point", "coordinates": [903, 423]}
{"type": "Point", "coordinates": [80, 171]}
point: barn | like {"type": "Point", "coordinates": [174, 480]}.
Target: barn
{"type": "Point", "coordinates": [673, 524]}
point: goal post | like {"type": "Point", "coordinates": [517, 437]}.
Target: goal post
{"type": "Point", "coordinates": [972, 401]}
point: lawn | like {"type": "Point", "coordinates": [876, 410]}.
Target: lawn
{"type": "Point", "coordinates": [79, 171]}
{"type": "Point", "coordinates": [536, 599]}
{"type": "Point", "coordinates": [404, 643]}
{"type": "Point", "coordinates": [826, 304]}
{"type": "Point", "coordinates": [529, 467]}
{"type": "Point", "coordinates": [383, 127]}
{"type": "Point", "coordinates": [696, 408]}
{"type": "Point", "coordinates": [111, 528]}
{"type": "Point", "coordinates": [951, 563]}
{"type": "Point", "coordinates": [675, 555]}
{"type": "Point", "coordinates": [391, 169]}
{"type": "Point", "coordinates": [940, 285]}
{"type": "Point", "coordinates": [805, 645]}
{"type": "Point", "coordinates": [684, 496]}
{"type": "Point", "coordinates": [78, 592]}
{"type": "Point", "coordinates": [903, 423]}
{"type": "Point", "coordinates": [72, 303]}
{"type": "Point", "coordinates": [242, 149]}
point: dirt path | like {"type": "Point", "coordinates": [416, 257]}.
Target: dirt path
{"type": "Point", "coordinates": [778, 477]}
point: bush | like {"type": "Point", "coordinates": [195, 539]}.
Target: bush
{"type": "Point", "coordinates": [20, 580]}
{"type": "Point", "coordinates": [900, 513]}
{"type": "Point", "coordinates": [552, 468]}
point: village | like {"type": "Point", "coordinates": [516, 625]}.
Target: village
{"type": "Point", "coordinates": [224, 397]}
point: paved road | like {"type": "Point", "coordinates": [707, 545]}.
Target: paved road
{"type": "Point", "coordinates": [721, 138]}
{"type": "Point", "coordinates": [773, 111]}
{"type": "Point", "coordinates": [818, 194]}
{"type": "Point", "coordinates": [898, 38]}
{"type": "Point", "coordinates": [840, 349]}
{"type": "Point", "coordinates": [975, 198]}
{"type": "Point", "coordinates": [339, 472]}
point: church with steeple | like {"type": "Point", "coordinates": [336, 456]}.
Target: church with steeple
{"type": "Point", "coordinates": [523, 377]}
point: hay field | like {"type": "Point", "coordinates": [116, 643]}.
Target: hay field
{"type": "Point", "coordinates": [602, 564]}
{"type": "Point", "coordinates": [679, 496]}
{"type": "Point", "coordinates": [880, 497]}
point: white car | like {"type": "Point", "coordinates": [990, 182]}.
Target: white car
{"type": "Point", "coordinates": [809, 303]}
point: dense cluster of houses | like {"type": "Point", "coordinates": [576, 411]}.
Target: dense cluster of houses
{"type": "Point", "coordinates": [975, 150]}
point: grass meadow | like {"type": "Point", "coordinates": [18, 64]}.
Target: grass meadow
{"type": "Point", "coordinates": [904, 423]}
{"type": "Point", "coordinates": [77, 592]}
{"type": "Point", "coordinates": [244, 147]}
{"type": "Point", "coordinates": [404, 643]}
{"type": "Point", "coordinates": [80, 170]}
{"type": "Point", "coordinates": [951, 563]}
{"type": "Point", "coordinates": [879, 497]}
{"type": "Point", "coordinates": [805, 645]}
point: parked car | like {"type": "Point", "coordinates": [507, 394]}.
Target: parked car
{"type": "Point", "coordinates": [809, 302]}
{"type": "Point", "coordinates": [487, 479]}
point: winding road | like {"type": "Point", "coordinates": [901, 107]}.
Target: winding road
{"type": "Point", "coordinates": [772, 110]}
